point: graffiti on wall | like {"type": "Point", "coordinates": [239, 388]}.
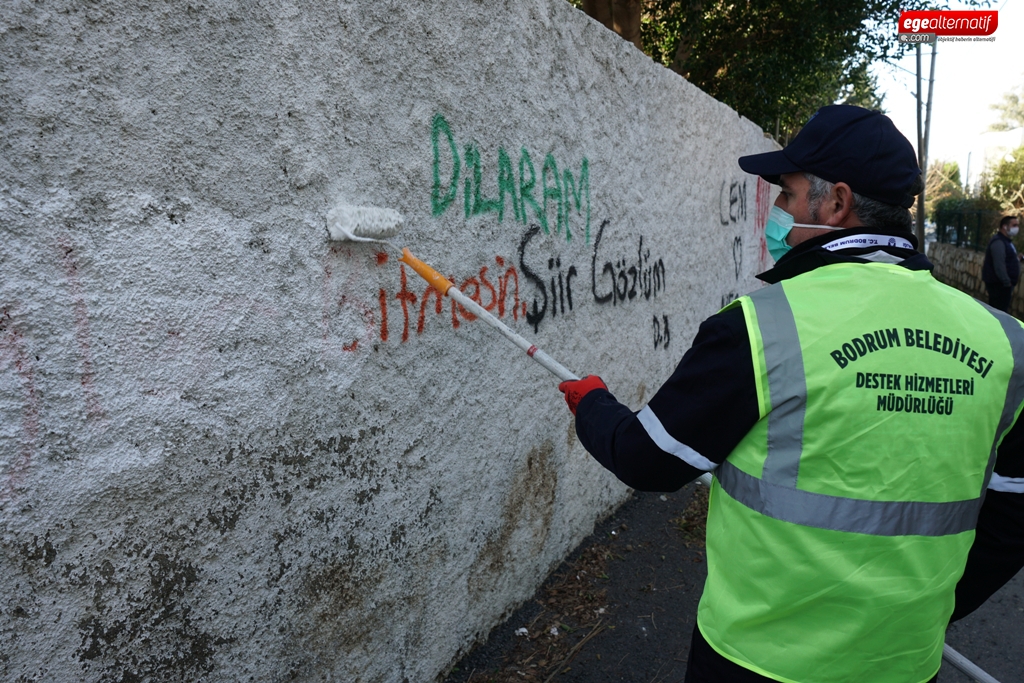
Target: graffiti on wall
{"type": "Point", "coordinates": [737, 255]}
{"type": "Point", "coordinates": [14, 355]}
{"type": "Point", "coordinates": [615, 278]}
{"type": "Point", "coordinates": [762, 205]}
{"type": "Point", "coordinates": [496, 291]}
{"type": "Point", "coordinates": [541, 282]}
{"type": "Point", "coordinates": [733, 210]}
{"type": "Point", "coordinates": [732, 202]}
{"type": "Point", "coordinates": [557, 198]}
{"type": "Point", "coordinates": [552, 285]}
{"type": "Point", "coordinates": [661, 332]}
{"type": "Point", "coordinates": [624, 277]}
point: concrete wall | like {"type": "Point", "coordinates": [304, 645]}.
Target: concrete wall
{"type": "Point", "coordinates": [231, 450]}
{"type": "Point", "coordinates": [961, 268]}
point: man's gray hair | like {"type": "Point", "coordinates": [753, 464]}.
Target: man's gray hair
{"type": "Point", "coordinates": [872, 213]}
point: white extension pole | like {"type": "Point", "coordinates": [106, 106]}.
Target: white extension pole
{"type": "Point", "coordinates": [438, 282]}
{"type": "Point", "coordinates": [549, 363]}
{"type": "Point", "coordinates": [966, 666]}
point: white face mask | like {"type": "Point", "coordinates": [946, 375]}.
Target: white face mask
{"type": "Point", "coordinates": [1014, 229]}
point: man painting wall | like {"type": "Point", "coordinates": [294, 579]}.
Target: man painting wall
{"type": "Point", "coordinates": [852, 413]}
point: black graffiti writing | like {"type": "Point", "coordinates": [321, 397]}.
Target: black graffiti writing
{"type": "Point", "coordinates": [625, 279]}
{"type": "Point", "coordinates": [661, 333]}
{"type": "Point", "coordinates": [564, 279]}
{"type": "Point", "coordinates": [732, 208]}
{"type": "Point", "coordinates": [555, 300]}
{"type": "Point", "coordinates": [737, 255]}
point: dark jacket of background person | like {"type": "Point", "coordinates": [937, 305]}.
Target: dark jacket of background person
{"type": "Point", "coordinates": [1001, 266]}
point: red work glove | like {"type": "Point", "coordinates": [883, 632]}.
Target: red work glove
{"type": "Point", "coordinates": [576, 389]}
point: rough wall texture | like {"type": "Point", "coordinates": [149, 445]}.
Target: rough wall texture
{"type": "Point", "coordinates": [961, 268]}
{"type": "Point", "coordinates": [231, 450]}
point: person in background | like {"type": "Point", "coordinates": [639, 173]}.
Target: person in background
{"type": "Point", "coordinates": [851, 413]}
{"type": "Point", "coordinates": [1001, 269]}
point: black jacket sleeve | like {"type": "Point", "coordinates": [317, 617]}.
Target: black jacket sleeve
{"type": "Point", "coordinates": [704, 409]}
{"type": "Point", "coordinates": [998, 551]}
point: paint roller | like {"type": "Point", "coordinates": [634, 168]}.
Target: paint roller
{"type": "Point", "coordinates": [373, 224]}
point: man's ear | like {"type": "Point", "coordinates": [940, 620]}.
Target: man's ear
{"type": "Point", "coordinates": [841, 203]}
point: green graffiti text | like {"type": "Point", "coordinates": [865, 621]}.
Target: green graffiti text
{"type": "Point", "coordinates": [549, 201]}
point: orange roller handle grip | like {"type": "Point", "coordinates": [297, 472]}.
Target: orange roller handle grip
{"type": "Point", "coordinates": [442, 285]}
{"type": "Point", "coordinates": [433, 278]}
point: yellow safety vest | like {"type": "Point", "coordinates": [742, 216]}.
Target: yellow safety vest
{"type": "Point", "coordinates": [840, 524]}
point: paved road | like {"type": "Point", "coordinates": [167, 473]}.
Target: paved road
{"type": "Point", "coordinates": [639, 629]}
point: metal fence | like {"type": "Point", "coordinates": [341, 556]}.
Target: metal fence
{"type": "Point", "coordinates": [968, 228]}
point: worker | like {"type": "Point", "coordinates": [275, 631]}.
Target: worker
{"type": "Point", "coordinates": [850, 412]}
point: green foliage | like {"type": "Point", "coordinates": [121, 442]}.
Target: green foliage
{"type": "Point", "coordinates": [943, 183]}
{"type": "Point", "coordinates": [1005, 182]}
{"type": "Point", "coordinates": [1011, 110]}
{"type": "Point", "coordinates": [777, 61]}
{"type": "Point", "coordinates": [861, 89]}
{"type": "Point", "coordinates": [963, 203]}
{"type": "Point", "coordinates": [763, 58]}
{"type": "Point", "coordinates": [966, 221]}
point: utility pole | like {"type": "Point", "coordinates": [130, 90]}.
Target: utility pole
{"type": "Point", "coordinates": [921, 160]}
{"type": "Point", "coordinates": [923, 133]}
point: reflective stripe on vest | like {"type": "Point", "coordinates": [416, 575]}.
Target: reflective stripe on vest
{"type": "Point", "coordinates": [879, 518]}
{"type": "Point", "coordinates": [788, 390]}
{"type": "Point", "coordinates": [776, 495]}
{"type": "Point", "coordinates": [1014, 392]}
{"type": "Point", "coordinates": [1006, 484]}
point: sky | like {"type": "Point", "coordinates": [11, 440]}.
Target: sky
{"type": "Point", "coordinates": [969, 78]}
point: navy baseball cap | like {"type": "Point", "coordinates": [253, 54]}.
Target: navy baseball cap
{"type": "Point", "coordinates": [853, 145]}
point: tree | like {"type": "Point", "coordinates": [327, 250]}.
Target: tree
{"type": "Point", "coordinates": [1005, 182]}
{"type": "Point", "coordinates": [621, 16]}
{"type": "Point", "coordinates": [861, 89]}
{"type": "Point", "coordinates": [943, 183]}
{"type": "Point", "coordinates": [774, 61]}
{"type": "Point", "coordinates": [1011, 110]}
{"type": "Point", "coordinates": [966, 221]}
